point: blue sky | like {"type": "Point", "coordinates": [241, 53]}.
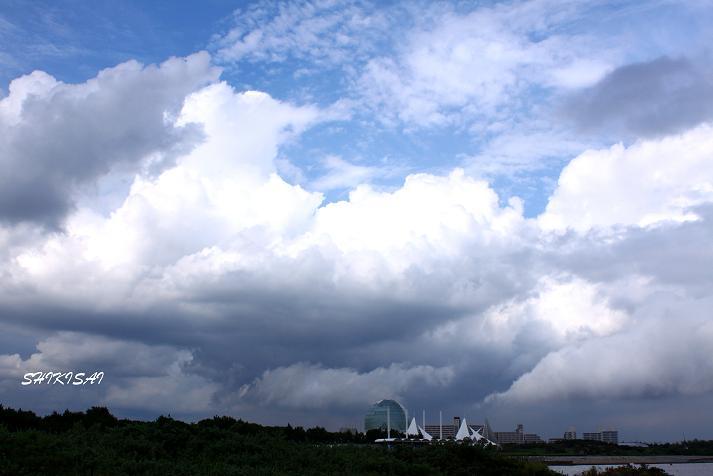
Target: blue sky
{"type": "Point", "coordinates": [287, 210]}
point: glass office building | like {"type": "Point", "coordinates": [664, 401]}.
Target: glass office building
{"type": "Point", "coordinates": [376, 416]}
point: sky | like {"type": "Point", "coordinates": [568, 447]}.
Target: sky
{"type": "Point", "coordinates": [286, 211]}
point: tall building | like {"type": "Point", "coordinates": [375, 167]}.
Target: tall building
{"type": "Point", "coordinates": [570, 434]}
{"type": "Point", "coordinates": [376, 417]}
{"type": "Point", "coordinates": [592, 436]}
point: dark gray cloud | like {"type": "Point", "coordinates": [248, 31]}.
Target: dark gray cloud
{"type": "Point", "coordinates": [653, 98]}
{"type": "Point", "coordinates": [57, 138]}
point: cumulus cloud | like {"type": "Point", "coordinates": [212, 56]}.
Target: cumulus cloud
{"type": "Point", "coordinates": [56, 138]}
{"type": "Point", "coordinates": [648, 182]}
{"type": "Point", "coordinates": [653, 98]}
{"type": "Point", "coordinates": [225, 185]}
{"type": "Point", "coordinates": [219, 242]}
{"type": "Point", "coordinates": [303, 385]}
{"type": "Point", "coordinates": [439, 264]}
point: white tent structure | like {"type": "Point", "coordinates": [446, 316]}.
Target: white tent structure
{"type": "Point", "coordinates": [416, 433]}
{"type": "Point", "coordinates": [415, 430]}
{"type": "Point", "coordinates": [425, 435]}
{"type": "Point", "coordinates": [467, 432]}
{"type": "Point", "coordinates": [412, 429]}
{"type": "Point", "coordinates": [462, 431]}
{"type": "Point", "coordinates": [476, 436]}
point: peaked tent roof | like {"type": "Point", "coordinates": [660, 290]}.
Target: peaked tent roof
{"type": "Point", "coordinates": [475, 435]}
{"type": "Point", "coordinates": [463, 431]}
{"type": "Point", "coordinates": [412, 428]}
{"type": "Point", "coordinates": [426, 436]}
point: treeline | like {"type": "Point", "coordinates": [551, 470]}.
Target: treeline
{"type": "Point", "coordinates": [97, 443]}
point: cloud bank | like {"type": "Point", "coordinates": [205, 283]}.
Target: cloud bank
{"type": "Point", "coordinates": [148, 228]}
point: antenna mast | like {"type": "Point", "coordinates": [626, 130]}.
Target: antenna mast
{"type": "Point", "coordinates": [388, 423]}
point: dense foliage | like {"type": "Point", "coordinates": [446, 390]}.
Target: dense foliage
{"type": "Point", "coordinates": [96, 443]}
{"type": "Point", "coordinates": [627, 470]}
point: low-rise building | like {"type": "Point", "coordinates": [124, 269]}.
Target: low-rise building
{"type": "Point", "coordinates": [517, 437]}
{"type": "Point", "coordinates": [610, 436]}
{"type": "Point", "coordinates": [449, 431]}
{"type": "Point", "coordinates": [606, 436]}
{"type": "Point", "coordinates": [510, 437]}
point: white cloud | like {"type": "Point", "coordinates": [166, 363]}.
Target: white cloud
{"type": "Point", "coordinates": [456, 68]}
{"type": "Point", "coordinates": [568, 308]}
{"type": "Point", "coordinates": [323, 31]}
{"type": "Point", "coordinates": [516, 151]}
{"type": "Point", "coordinates": [580, 73]}
{"type": "Point", "coordinates": [427, 220]}
{"type": "Point", "coordinates": [221, 222]}
{"type": "Point", "coordinates": [343, 174]}
{"type": "Point", "coordinates": [224, 186]}
{"type": "Point", "coordinates": [303, 385]}
{"type": "Point", "coordinates": [648, 182]}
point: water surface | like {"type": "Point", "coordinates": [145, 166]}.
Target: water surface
{"type": "Point", "coordinates": [676, 469]}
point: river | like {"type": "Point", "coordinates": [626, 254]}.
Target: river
{"type": "Point", "coordinates": [675, 469]}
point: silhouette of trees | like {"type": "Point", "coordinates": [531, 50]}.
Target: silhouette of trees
{"type": "Point", "coordinates": [96, 442]}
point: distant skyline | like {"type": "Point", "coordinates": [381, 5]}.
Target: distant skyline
{"type": "Point", "coordinates": [287, 211]}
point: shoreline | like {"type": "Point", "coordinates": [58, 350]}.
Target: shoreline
{"type": "Point", "coordinates": [566, 460]}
